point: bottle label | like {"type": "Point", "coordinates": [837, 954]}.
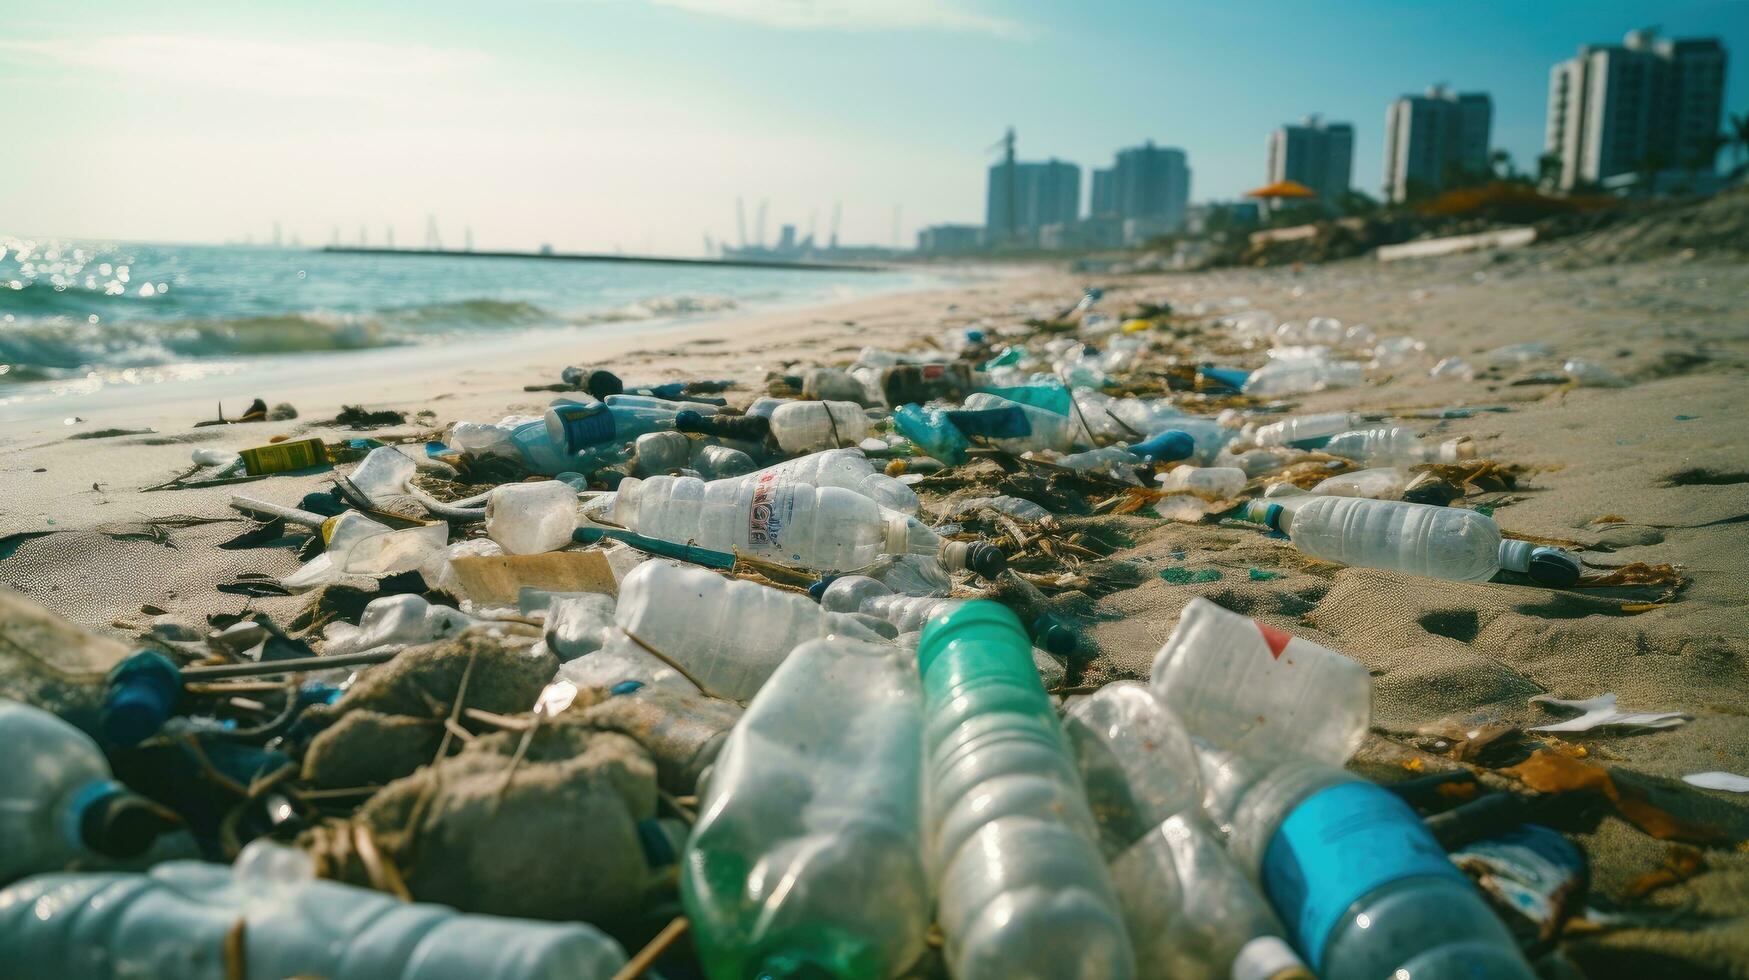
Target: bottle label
{"type": "Point", "coordinates": [774, 502]}
{"type": "Point", "coordinates": [1337, 846]}
{"type": "Point", "coordinates": [585, 425]}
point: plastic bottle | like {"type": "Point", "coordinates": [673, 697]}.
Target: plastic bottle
{"type": "Point", "coordinates": [1299, 375]}
{"type": "Point", "coordinates": [1363, 887]}
{"type": "Point", "coordinates": [660, 452]}
{"type": "Point", "coordinates": [804, 427]}
{"type": "Point", "coordinates": [59, 805]}
{"type": "Point", "coordinates": [807, 858]}
{"type": "Point", "coordinates": [825, 528]}
{"type": "Point", "coordinates": [523, 438]}
{"type": "Point", "coordinates": [1023, 890]}
{"type": "Point", "coordinates": [727, 635]}
{"type": "Point", "coordinates": [933, 432]}
{"type": "Point", "coordinates": [143, 692]}
{"type": "Point", "coordinates": [847, 468]}
{"type": "Point", "coordinates": [1213, 482]}
{"type": "Point", "coordinates": [531, 518]}
{"type": "Point", "coordinates": [182, 920]}
{"type": "Point", "coordinates": [1043, 429]}
{"type": "Point", "coordinates": [1417, 539]}
{"type": "Point", "coordinates": [1136, 761]}
{"type": "Point", "coordinates": [1394, 445]}
{"type": "Point", "coordinates": [659, 403]}
{"type": "Point", "coordinates": [576, 427]}
{"type": "Point", "coordinates": [861, 594]}
{"type": "Point", "coordinates": [396, 620]}
{"type": "Point", "coordinates": [904, 384]}
{"type": "Point", "coordinates": [1306, 431]}
{"type": "Point", "coordinates": [1243, 685]}
{"type": "Point", "coordinates": [716, 462]}
{"type": "Point", "coordinates": [1381, 483]}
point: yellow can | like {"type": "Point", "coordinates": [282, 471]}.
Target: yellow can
{"type": "Point", "coordinates": [283, 456]}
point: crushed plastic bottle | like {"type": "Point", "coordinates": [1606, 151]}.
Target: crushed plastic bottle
{"type": "Point", "coordinates": [1379, 483]}
{"type": "Point", "coordinates": [826, 528]}
{"type": "Point", "coordinates": [807, 857]}
{"type": "Point", "coordinates": [1036, 428]}
{"type": "Point", "coordinates": [805, 427]}
{"type": "Point", "coordinates": [60, 808]}
{"type": "Point", "coordinates": [1395, 445]}
{"type": "Point", "coordinates": [1241, 684]}
{"type": "Point", "coordinates": [578, 625]}
{"type": "Point", "coordinates": [1452, 368]}
{"type": "Point", "coordinates": [1298, 373]}
{"type": "Point", "coordinates": [1023, 890]}
{"type": "Point", "coordinates": [1363, 887]}
{"type": "Point", "coordinates": [531, 518]}
{"type": "Point", "coordinates": [522, 438]}
{"type": "Point", "coordinates": [1417, 539]}
{"type": "Point", "coordinates": [718, 462]}
{"type": "Point", "coordinates": [395, 621]}
{"type": "Point", "coordinates": [661, 452]}
{"type": "Point", "coordinates": [183, 919]}
{"type": "Point", "coordinates": [1209, 482]}
{"type": "Point", "coordinates": [1136, 761]}
{"type": "Point", "coordinates": [727, 635]}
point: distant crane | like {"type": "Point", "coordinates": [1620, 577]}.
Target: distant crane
{"type": "Point", "coordinates": [389, 235]}
{"type": "Point", "coordinates": [740, 223]}
{"type": "Point", "coordinates": [276, 236]}
{"type": "Point", "coordinates": [433, 241]}
{"type": "Point", "coordinates": [335, 238]}
{"type": "Point", "coordinates": [837, 213]}
{"type": "Point", "coordinates": [760, 224]}
{"type": "Point", "coordinates": [363, 238]}
{"type": "Point", "coordinates": [468, 238]}
{"type": "Point", "coordinates": [896, 213]}
{"type": "Point", "coordinates": [813, 226]}
{"type": "Point", "coordinates": [1009, 225]}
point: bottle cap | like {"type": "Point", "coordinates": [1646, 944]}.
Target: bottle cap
{"type": "Point", "coordinates": [1054, 637]}
{"type": "Point", "coordinates": [625, 687]}
{"type": "Point", "coordinates": [603, 383]}
{"type": "Point", "coordinates": [1554, 568]}
{"type": "Point", "coordinates": [818, 589]}
{"type": "Point", "coordinates": [1165, 447]}
{"type": "Point", "coordinates": [143, 691]}
{"type": "Point", "coordinates": [986, 560]}
{"type": "Point", "coordinates": [116, 823]}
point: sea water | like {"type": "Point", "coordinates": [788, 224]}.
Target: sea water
{"type": "Point", "coordinates": [82, 319]}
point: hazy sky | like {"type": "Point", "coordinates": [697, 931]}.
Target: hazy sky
{"type": "Point", "coordinates": [595, 124]}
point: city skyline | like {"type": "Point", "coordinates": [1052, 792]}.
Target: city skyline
{"type": "Point", "coordinates": [636, 124]}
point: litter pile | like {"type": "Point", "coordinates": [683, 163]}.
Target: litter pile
{"type": "Point", "coordinates": [805, 676]}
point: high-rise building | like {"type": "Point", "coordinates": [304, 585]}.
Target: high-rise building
{"type": "Point", "coordinates": [1315, 153]}
{"type": "Point", "coordinates": [1150, 185]}
{"type": "Point", "coordinates": [1645, 103]}
{"type": "Point", "coordinates": [1430, 138]}
{"type": "Point", "coordinates": [1103, 204]}
{"type": "Point", "coordinates": [1043, 194]}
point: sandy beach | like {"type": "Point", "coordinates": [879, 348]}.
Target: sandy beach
{"type": "Point", "coordinates": [1655, 472]}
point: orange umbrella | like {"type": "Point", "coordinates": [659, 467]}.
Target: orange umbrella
{"type": "Point", "coordinates": [1283, 188]}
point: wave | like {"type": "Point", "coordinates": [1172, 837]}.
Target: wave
{"type": "Point", "coordinates": [60, 341]}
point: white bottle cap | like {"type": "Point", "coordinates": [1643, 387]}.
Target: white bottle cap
{"type": "Point", "coordinates": [1269, 958]}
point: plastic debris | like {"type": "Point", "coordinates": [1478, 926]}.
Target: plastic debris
{"type": "Point", "coordinates": [1601, 712]}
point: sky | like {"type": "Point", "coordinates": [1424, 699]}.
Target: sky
{"type": "Point", "coordinates": [634, 125]}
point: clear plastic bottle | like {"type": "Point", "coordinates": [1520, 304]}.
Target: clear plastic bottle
{"type": "Point", "coordinates": [523, 438]}
{"type": "Point", "coordinates": [531, 518]}
{"type": "Point", "coordinates": [804, 427]}
{"type": "Point", "coordinates": [1023, 889]}
{"type": "Point", "coordinates": [1043, 429]}
{"type": "Point", "coordinates": [1417, 539]}
{"type": "Point", "coordinates": [1240, 684]}
{"type": "Point", "coordinates": [576, 427]}
{"type": "Point", "coordinates": [1380, 483]}
{"type": "Point", "coordinates": [59, 806]}
{"type": "Point", "coordinates": [850, 469]}
{"type": "Point", "coordinates": [660, 452]}
{"type": "Point", "coordinates": [1306, 431]}
{"type": "Point", "coordinates": [182, 920]}
{"type": "Point", "coordinates": [807, 860]}
{"type": "Point", "coordinates": [1299, 375]}
{"type": "Point", "coordinates": [1396, 444]}
{"type": "Point", "coordinates": [1363, 887]}
{"type": "Point", "coordinates": [717, 462]}
{"type": "Point", "coordinates": [824, 528]}
{"type": "Point", "coordinates": [1136, 761]}
{"type": "Point", "coordinates": [728, 635]}
{"type": "Point", "coordinates": [861, 594]}
{"type": "Point", "coordinates": [1213, 482]}
{"type": "Point", "coordinates": [659, 403]}
{"type": "Point", "coordinates": [1116, 462]}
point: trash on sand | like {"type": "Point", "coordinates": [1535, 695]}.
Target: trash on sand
{"type": "Point", "coordinates": [498, 580]}
{"type": "Point", "coordinates": [281, 457]}
{"type": "Point", "coordinates": [1730, 782]}
{"type": "Point", "coordinates": [1601, 712]}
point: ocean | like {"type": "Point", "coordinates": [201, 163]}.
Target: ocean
{"type": "Point", "coordinates": [77, 318]}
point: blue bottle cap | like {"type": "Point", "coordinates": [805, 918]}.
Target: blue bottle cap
{"type": "Point", "coordinates": [625, 687]}
{"type": "Point", "coordinates": [143, 690]}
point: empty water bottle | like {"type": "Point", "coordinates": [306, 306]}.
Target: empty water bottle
{"type": "Point", "coordinates": [1297, 375]}
{"type": "Point", "coordinates": [850, 469]}
{"type": "Point", "coordinates": [184, 920]}
{"type": "Point", "coordinates": [1397, 445]}
{"type": "Point", "coordinates": [1590, 374]}
{"type": "Point", "coordinates": [1211, 482]}
{"type": "Point", "coordinates": [807, 857]}
{"type": "Point", "coordinates": [1306, 431]}
{"type": "Point", "coordinates": [726, 635]}
{"type": "Point", "coordinates": [716, 462]}
{"type": "Point", "coordinates": [660, 452]}
{"type": "Point", "coordinates": [803, 427]}
{"type": "Point", "coordinates": [1381, 483]}
{"type": "Point", "coordinates": [1136, 760]}
{"type": "Point", "coordinates": [861, 594]}
{"type": "Point", "coordinates": [1238, 683]}
{"type": "Point", "coordinates": [1038, 429]}
{"type": "Point", "coordinates": [580, 427]}
{"type": "Point", "coordinates": [525, 439]}
{"type": "Point", "coordinates": [59, 806]}
{"type": "Point", "coordinates": [531, 518]}
{"type": "Point", "coordinates": [826, 528]}
{"type": "Point", "coordinates": [1417, 539]}
{"type": "Point", "coordinates": [1363, 887]}
{"type": "Point", "coordinates": [395, 621]}
{"type": "Point", "coordinates": [1023, 890]}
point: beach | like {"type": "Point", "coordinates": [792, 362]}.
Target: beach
{"type": "Point", "coordinates": [1654, 472]}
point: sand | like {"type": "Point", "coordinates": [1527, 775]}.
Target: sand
{"type": "Point", "coordinates": [1653, 472]}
